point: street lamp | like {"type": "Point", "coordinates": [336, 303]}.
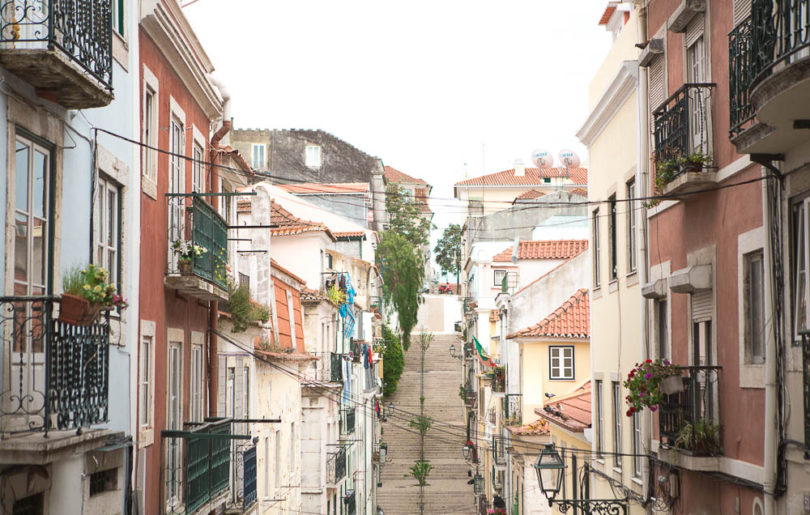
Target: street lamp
{"type": "Point", "coordinates": [466, 452]}
{"type": "Point", "coordinates": [453, 352]}
{"type": "Point", "coordinates": [549, 467]}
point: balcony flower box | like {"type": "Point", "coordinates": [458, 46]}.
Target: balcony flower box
{"type": "Point", "coordinates": [644, 383]}
{"type": "Point", "coordinates": [87, 294]}
{"type": "Point", "coordinates": [77, 310]}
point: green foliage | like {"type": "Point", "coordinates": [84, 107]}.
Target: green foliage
{"type": "Point", "coordinates": [702, 438]}
{"type": "Point", "coordinates": [91, 284]}
{"type": "Point", "coordinates": [405, 216]}
{"type": "Point", "coordinates": [424, 341]}
{"type": "Point", "coordinates": [448, 250]}
{"type": "Point", "coordinates": [243, 311]}
{"type": "Point", "coordinates": [402, 273]}
{"type": "Point", "coordinates": [643, 383]}
{"type": "Point", "coordinates": [420, 471]}
{"type": "Point", "coordinates": [421, 423]}
{"type": "Point", "coordinates": [393, 361]}
{"type": "Point", "coordinates": [336, 295]}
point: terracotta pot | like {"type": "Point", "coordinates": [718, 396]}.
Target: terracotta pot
{"type": "Point", "coordinates": [78, 310]}
{"type": "Point", "coordinates": [184, 266]}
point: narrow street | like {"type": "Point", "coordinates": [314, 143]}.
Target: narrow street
{"type": "Point", "coordinates": [447, 491]}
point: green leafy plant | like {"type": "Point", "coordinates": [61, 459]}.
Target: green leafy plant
{"type": "Point", "coordinates": [336, 295]}
{"type": "Point", "coordinates": [403, 269]}
{"type": "Point", "coordinates": [702, 438]}
{"type": "Point", "coordinates": [186, 250]}
{"type": "Point", "coordinates": [421, 423]}
{"type": "Point", "coordinates": [243, 311]}
{"type": "Point", "coordinates": [90, 283]}
{"type": "Point", "coordinates": [393, 361]}
{"type": "Point", "coordinates": [420, 471]}
{"type": "Point", "coordinates": [448, 251]}
{"type": "Point", "coordinates": [643, 383]}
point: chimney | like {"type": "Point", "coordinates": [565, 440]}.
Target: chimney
{"type": "Point", "coordinates": [520, 168]}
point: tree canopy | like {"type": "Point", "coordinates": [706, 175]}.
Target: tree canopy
{"type": "Point", "coordinates": [448, 250]}
{"type": "Point", "coordinates": [405, 216]}
{"type": "Point", "coordinates": [402, 271]}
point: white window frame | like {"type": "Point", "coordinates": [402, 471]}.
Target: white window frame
{"type": "Point", "coordinates": [616, 394]}
{"type": "Point", "coordinates": [598, 421]}
{"type": "Point", "coordinates": [119, 7]}
{"type": "Point", "coordinates": [258, 156]}
{"type": "Point", "coordinates": [497, 281]}
{"type": "Point", "coordinates": [313, 157]}
{"type": "Point", "coordinates": [198, 178]}
{"type": "Point", "coordinates": [613, 236]}
{"type": "Point", "coordinates": [146, 435]}
{"type": "Point", "coordinates": [561, 374]}
{"type": "Point", "coordinates": [150, 125]}
{"type": "Point", "coordinates": [752, 375]}
{"type": "Point", "coordinates": [631, 226]}
{"type": "Point", "coordinates": [661, 315]}
{"type": "Point", "coordinates": [596, 249]}
{"type": "Point", "coordinates": [174, 418]}
{"type": "Point", "coordinates": [107, 229]}
{"type": "Point", "coordinates": [196, 381]}
{"type": "Point", "coordinates": [637, 451]}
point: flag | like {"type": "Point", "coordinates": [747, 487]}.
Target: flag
{"type": "Point", "coordinates": [482, 355]}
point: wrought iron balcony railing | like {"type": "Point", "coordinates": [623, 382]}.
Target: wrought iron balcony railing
{"type": "Point", "coordinates": [740, 77]}
{"type": "Point", "coordinates": [697, 402]}
{"type": "Point", "coordinates": [55, 375]}
{"type": "Point", "coordinates": [80, 29]}
{"type": "Point", "coordinates": [498, 450]}
{"type": "Point", "coordinates": [336, 466]}
{"type": "Point", "coordinates": [326, 369]}
{"type": "Point", "coordinates": [347, 419]}
{"type": "Point", "coordinates": [336, 368]}
{"type": "Point", "coordinates": [682, 130]}
{"type": "Point", "coordinates": [249, 477]}
{"type": "Point", "coordinates": [207, 463]}
{"type": "Point", "coordinates": [512, 409]}
{"type": "Point", "coordinates": [193, 220]}
{"type": "Point", "coordinates": [781, 34]}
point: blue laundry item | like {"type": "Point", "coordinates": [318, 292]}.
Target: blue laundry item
{"type": "Point", "coordinates": [365, 356]}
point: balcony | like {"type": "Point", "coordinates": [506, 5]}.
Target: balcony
{"type": "Point", "coordinates": [63, 49]}
{"type": "Point", "coordinates": [769, 63]}
{"type": "Point", "coordinates": [194, 221]}
{"type": "Point", "coordinates": [498, 451]}
{"type": "Point", "coordinates": [512, 409]}
{"type": "Point", "coordinates": [55, 376]}
{"type": "Point", "coordinates": [347, 419]}
{"type": "Point", "coordinates": [326, 369]}
{"type": "Point", "coordinates": [683, 154]}
{"type": "Point", "coordinates": [686, 419]}
{"type": "Point", "coordinates": [207, 464]}
{"type": "Point", "coordinates": [336, 466]}
{"type": "Point", "coordinates": [249, 477]}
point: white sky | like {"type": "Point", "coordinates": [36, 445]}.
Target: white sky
{"type": "Point", "coordinates": [431, 87]}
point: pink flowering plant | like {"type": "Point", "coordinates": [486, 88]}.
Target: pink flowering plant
{"type": "Point", "coordinates": [643, 383]}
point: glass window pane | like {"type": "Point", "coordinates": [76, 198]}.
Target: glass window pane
{"type": "Point", "coordinates": [21, 182]}
{"type": "Point", "coordinates": [39, 258]}
{"type": "Point", "coordinates": [40, 183]}
{"type": "Point", "coordinates": [21, 249]}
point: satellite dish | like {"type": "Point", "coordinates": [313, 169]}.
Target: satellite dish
{"type": "Point", "coordinates": [569, 159]}
{"type": "Point", "coordinates": [542, 159]}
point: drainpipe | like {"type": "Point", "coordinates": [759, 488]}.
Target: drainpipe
{"type": "Point", "coordinates": [213, 306]}
{"type": "Point", "coordinates": [642, 174]}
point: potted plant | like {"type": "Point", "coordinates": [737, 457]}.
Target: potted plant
{"type": "Point", "coordinates": [244, 311]}
{"type": "Point", "coordinates": [644, 384]}
{"type": "Point", "coordinates": [86, 294]}
{"type": "Point", "coordinates": [695, 161]}
{"type": "Point", "coordinates": [186, 251]}
{"type": "Point", "coordinates": [701, 438]}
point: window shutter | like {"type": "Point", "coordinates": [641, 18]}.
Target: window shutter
{"type": "Point", "coordinates": [222, 386]}
{"type": "Point", "coordinates": [702, 306]}
{"type": "Point", "coordinates": [742, 10]}
{"type": "Point", "coordinates": [695, 29]}
{"type": "Point", "coordinates": [657, 84]}
{"type": "Point", "coordinates": [240, 388]}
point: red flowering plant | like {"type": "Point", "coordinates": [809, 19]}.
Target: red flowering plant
{"type": "Point", "coordinates": [644, 383]}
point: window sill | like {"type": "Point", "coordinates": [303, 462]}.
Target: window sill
{"type": "Point", "coordinates": [613, 285]}
{"type": "Point", "coordinates": [631, 278]}
{"type": "Point", "coordinates": [149, 187]}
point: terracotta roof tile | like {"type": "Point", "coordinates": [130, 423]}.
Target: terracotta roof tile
{"type": "Point", "coordinates": [394, 175]}
{"type": "Point", "coordinates": [572, 410]}
{"type": "Point", "coordinates": [350, 235]}
{"type": "Point", "coordinates": [243, 206]}
{"type": "Point", "coordinates": [314, 188]}
{"type": "Point", "coordinates": [530, 195]}
{"type": "Point", "coordinates": [582, 192]}
{"type": "Point", "coordinates": [553, 249]}
{"type": "Point", "coordinates": [531, 177]}
{"type": "Point", "coordinates": [286, 224]}
{"type": "Point", "coordinates": [538, 427]}
{"type": "Point", "coordinates": [608, 12]}
{"type": "Point", "coordinates": [571, 320]}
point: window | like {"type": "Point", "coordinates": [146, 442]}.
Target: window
{"type": "Point", "coordinates": [499, 275]}
{"type": "Point", "coordinates": [596, 249]}
{"type": "Point", "coordinates": [637, 451]}
{"type": "Point", "coordinates": [108, 229]}
{"type": "Point", "coordinates": [197, 169]}
{"type": "Point", "coordinates": [118, 16]}
{"type": "Point", "coordinates": [230, 393]}
{"type": "Point", "coordinates": [150, 131]}
{"type": "Point", "coordinates": [631, 226]}
{"type": "Point", "coordinates": [754, 307]}
{"type": "Point", "coordinates": [292, 318]}
{"type": "Point", "coordinates": [614, 270]}
{"type": "Point", "coordinates": [561, 362]}
{"type": "Point", "coordinates": [103, 481]}
{"type": "Point", "coordinates": [246, 393]}
{"type": "Point", "coordinates": [196, 384]}
{"type": "Point", "coordinates": [277, 461]}
{"type": "Point", "coordinates": [257, 156]}
{"type": "Point", "coordinates": [174, 420]}
{"type": "Point", "coordinates": [799, 269]}
{"type": "Point", "coordinates": [267, 461]}
{"type": "Point", "coordinates": [662, 329]}
{"type": "Point", "coordinates": [31, 505]}
{"type": "Point", "coordinates": [696, 72]}
{"type": "Point", "coordinates": [617, 424]}
{"type": "Point", "coordinates": [600, 434]}
{"type": "Point", "coordinates": [145, 383]}
{"type": "Point", "coordinates": [176, 185]}
{"type": "Point", "coordinates": [31, 218]}
{"type": "Point", "coordinates": [312, 157]}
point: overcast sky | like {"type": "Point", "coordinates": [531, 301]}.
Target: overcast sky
{"type": "Point", "coordinates": [437, 89]}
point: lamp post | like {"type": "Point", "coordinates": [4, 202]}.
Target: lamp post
{"type": "Point", "coordinates": [453, 354]}
{"type": "Point", "coordinates": [550, 468]}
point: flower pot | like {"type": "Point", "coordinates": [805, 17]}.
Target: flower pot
{"type": "Point", "coordinates": [78, 310]}
{"type": "Point", "coordinates": [671, 385]}
{"type": "Point", "coordinates": [184, 266]}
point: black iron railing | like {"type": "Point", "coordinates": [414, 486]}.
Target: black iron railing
{"type": "Point", "coordinates": [806, 382]}
{"type": "Point", "coordinates": [249, 477]}
{"type": "Point", "coordinates": [694, 404]}
{"type": "Point", "coordinates": [55, 374]}
{"type": "Point", "coordinates": [192, 219]}
{"type": "Point", "coordinates": [347, 419]}
{"type": "Point", "coordinates": [498, 450]}
{"type": "Point", "coordinates": [741, 74]}
{"type": "Point", "coordinates": [512, 408]}
{"type": "Point", "coordinates": [336, 466]}
{"type": "Point", "coordinates": [325, 369]}
{"type": "Point", "coordinates": [682, 130]}
{"type": "Point", "coordinates": [336, 368]}
{"type": "Point", "coordinates": [81, 29]}
{"type": "Point", "coordinates": [781, 33]}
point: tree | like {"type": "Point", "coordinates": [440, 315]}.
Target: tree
{"type": "Point", "coordinates": [402, 272]}
{"type": "Point", "coordinates": [393, 361]}
{"type": "Point", "coordinates": [448, 251]}
{"type": "Point", "coordinates": [405, 216]}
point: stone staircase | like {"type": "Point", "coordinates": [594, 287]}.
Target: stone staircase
{"type": "Point", "coordinates": [448, 492]}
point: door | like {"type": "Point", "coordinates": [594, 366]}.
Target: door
{"type": "Point", "coordinates": [698, 97]}
{"type": "Point", "coordinates": [174, 420]}
{"type": "Point", "coordinates": [177, 204]}
{"type": "Point", "coordinates": [31, 276]}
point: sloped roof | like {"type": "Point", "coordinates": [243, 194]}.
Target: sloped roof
{"type": "Point", "coordinates": [530, 195]}
{"type": "Point", "coordinates": [607, 13]}
{"type": "Point", "coordinates": [316, 188]}
{"type": "Point", "coordinates": [582, 192]}
{"type": "Point", "coordinates": [572, 410]}
{"type": "Point", "coordinates": [394, 175]}
{"type": "Point", "coordinates": [531, 177]}
{"type": "Point", "coordinates": [350, 235]}
{"type": "Point", "coordinates": [571, 320]}
{"type": "Point", "coordinates": [538, 427]}
{"type": "Point", "coordinates": [553, 249]}
{"type": "Point", "coordinates": [286, 224]}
